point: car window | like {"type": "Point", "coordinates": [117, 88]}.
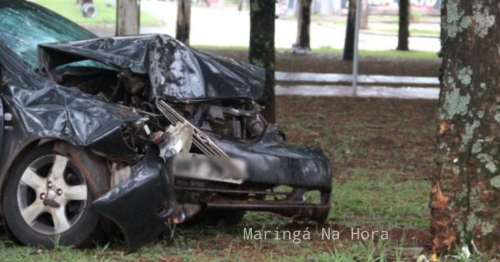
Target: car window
{"type": "Point", "coordinates": [24, 25]}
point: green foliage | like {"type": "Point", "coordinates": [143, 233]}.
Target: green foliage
{"type": "Point", "coordinates": [105, 15]}
{"type": "Point", "coordinates": [413, 31]}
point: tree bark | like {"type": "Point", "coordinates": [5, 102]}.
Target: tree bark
{"type": "Point", "coordinates": [465, 194]}
{"type": "Point", "coordinates": [349, 32]}
{"type": "Point", "coordinates": [262, 52]}
{"type": "Point", "coordinates": [404, 25]}
{"type": "Point", "coordinates": [304, 24]}
{"type": "Point", "coordinates": [363, 23]}
{"type": "Point", "coordinates": [183, 21]}
{"type": "Point", "coordinates": [127, 17]}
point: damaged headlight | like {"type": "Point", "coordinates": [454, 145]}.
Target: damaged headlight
{"type": "Point", "coordinates": [176, 140]}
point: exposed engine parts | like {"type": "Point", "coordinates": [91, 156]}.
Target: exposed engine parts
{"type": "Point", "coordinates": [173, 128]}
{"type": "Point", "coordinates": [227, 168]}
{"type": "Point", "coordinates": [200, 139]}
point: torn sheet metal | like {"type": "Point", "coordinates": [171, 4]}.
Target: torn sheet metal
{"type": "Point", "coordinates": [274, 163]}
{"type": "Point", "coordinates": [141, 205]}
{"type": "Point", "coordinates": [175, 71]}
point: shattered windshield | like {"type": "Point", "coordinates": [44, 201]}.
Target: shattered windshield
{"type": "Point", "coordinates": [24, 25]}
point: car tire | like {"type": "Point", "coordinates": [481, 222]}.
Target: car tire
{"type": "Point", "coordinates": [47, 196]}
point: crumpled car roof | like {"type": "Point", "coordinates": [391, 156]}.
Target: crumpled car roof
{"type": "Point", "coordinates": [175, 70]}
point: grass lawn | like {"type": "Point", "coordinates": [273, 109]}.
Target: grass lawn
{"type": "Point", "coordinates": [105, 15]}
{"type": "Point", "coordinates": [392, 27]}
{"type": "Point", "coordinates": [329, 50]}
{"type": "Point", "coordinates": [385, 53]}
{"type": "Point", "coordinates": [381, 151]}
{"type": "Point", "coordinates": [413, 31]}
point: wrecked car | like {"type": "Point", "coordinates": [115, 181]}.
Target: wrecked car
{"type": "Point", "coordinates": [140, 132]}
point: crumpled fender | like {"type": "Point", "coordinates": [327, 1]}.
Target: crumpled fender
{"type": "Point", "coordinates": [137, 205]}
{"type": "Point", "coordinates": [270, 162]}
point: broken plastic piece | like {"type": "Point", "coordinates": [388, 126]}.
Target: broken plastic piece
{"type": "Point", "coordinates": [181, 138]}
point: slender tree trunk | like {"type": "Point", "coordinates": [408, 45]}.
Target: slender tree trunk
{"type": "Point", "coordinates": [404, 25]}
{"type": "Point", "coordinates": [349, 32]}
{"type": "Point", "coordinates": [466, 179]}
{"type": "Point", "coordinates": [303, 25]}
{"type": "Point", "coordinates": [127, 17]}
{"type": "Point", "coordinates": [297, 8]}
{"type": "Point", "coordinates": [139, 15]}
{"type": "Point", "coordinates": [183, 21]}
{"type": "Point", "coordinates": [241, 3]}
{"type": "Point", "coordinates": [363, 23]}
{"type": "Point", "coordinates": [262, 15]}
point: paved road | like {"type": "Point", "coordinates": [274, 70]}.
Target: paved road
{"type": "Point", "coordinates": [362, 79]}
{"type": "Point", "coordinates": [363, 91]}
{"type": "Point", "coordinates": [227, 27]}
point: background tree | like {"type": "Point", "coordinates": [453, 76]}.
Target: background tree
{"type": "Point", "coordinates": [240, 4]}
{"type": "Point", "coordinates": [303, 25]}
{"type": "Point", "coordinates": [404, 25]}
{"type": "Point", "coordinates": [349, 32]}
{"type": "Point", "coordinates": [466, 179]}
{"type": "Point", "coordinates": [262, 15]}
{"type": "Point", "coordinates": [363, 21]}
{"type": "Point", "coordinates": [183, 21]}
{"type": "Point", "coordinates": [127, 17]}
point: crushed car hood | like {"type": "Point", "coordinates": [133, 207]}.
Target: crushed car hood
{"type": "Point", "coordinates": [175, 71]}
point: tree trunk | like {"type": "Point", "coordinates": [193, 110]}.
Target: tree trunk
{"type": "Point", "coordinates": [363, 23]}
{"type": "Point", "coordinates": [297, 8]}
{"type": "Point", "coordinates": [262, 15]}
{"type": "Point", "coordinates": [465, 194]}
{"type": "Point", "coordinates": [183, 21]}
{"type": "Point", "coordinates": [404, 25]}
{"type": "Point", "coordinates": [127, 17]}
{"type": "Point", "coordinates": [304, 22]}
{"type": "Point", "coordinates": [349, 32]}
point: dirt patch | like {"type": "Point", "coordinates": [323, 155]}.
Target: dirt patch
{"type": "Point", "coordinates": [329, 63]}
{"type": "Point", "coordinates": [374, 134]}
{"type": "Point", "coordinates": [414, 237]}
